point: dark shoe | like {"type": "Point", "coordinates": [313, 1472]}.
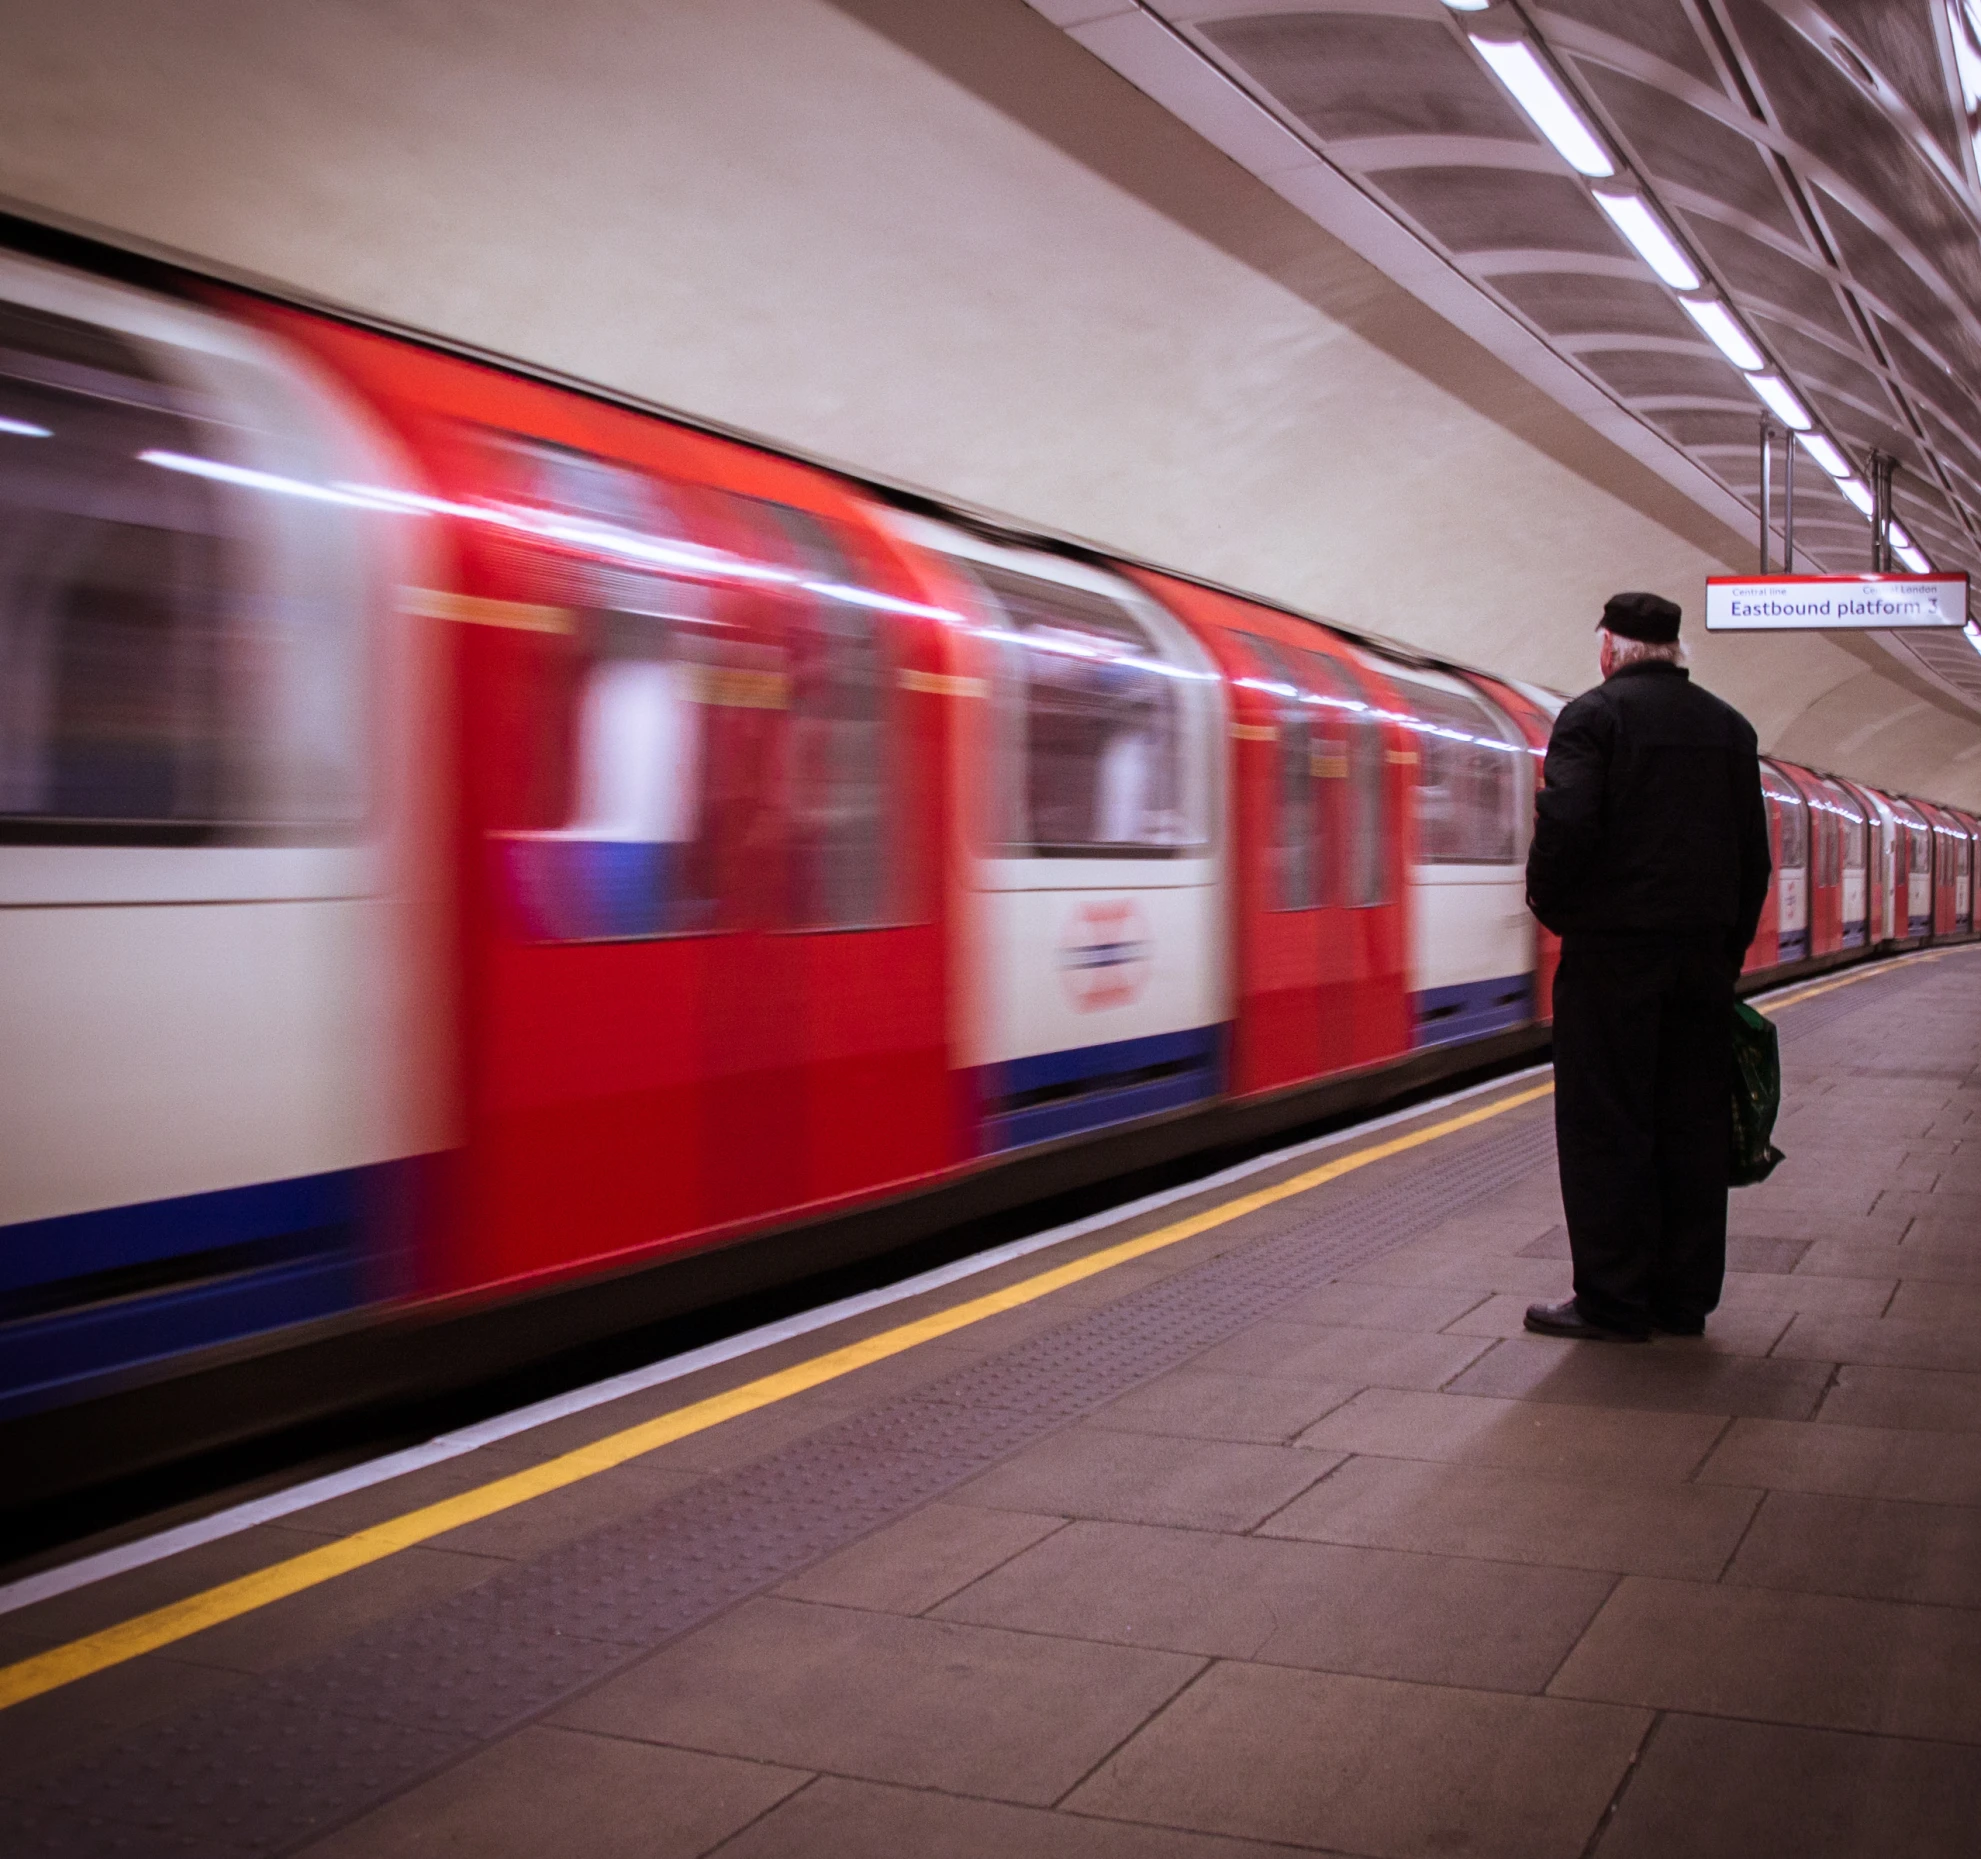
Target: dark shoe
{"type": "Point", "coordinates": [1566, 1319]}
{"type": "Point", "coordinates": [1678, 1326]}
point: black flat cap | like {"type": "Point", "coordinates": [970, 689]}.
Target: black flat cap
{"type": "Point", "coordinates": [1649, 617]}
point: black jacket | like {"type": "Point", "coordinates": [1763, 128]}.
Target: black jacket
{"type": "Point", "coordinates": [1651, 816]}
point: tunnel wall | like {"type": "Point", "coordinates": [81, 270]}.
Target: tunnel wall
{"type": "Point", "coordinates": [941, 244]}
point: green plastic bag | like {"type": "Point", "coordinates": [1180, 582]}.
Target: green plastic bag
{"type": "Point", "coordinates": [1757, 1096]}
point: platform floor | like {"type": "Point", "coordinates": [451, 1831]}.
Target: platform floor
{"type": "Point", "coordinates": [1279, 1536]}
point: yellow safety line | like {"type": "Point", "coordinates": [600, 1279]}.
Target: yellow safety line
{"type": "Point", "coordinates": [97, 1652]}
{"type": "Point", "coordinates": [1858, 974]}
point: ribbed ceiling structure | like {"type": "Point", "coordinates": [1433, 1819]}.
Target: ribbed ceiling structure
{"type": "Point", "coordinates": [1814, 164]}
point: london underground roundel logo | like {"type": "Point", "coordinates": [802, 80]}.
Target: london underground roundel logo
{"type": "Point", "coordinates": [1105, 953]}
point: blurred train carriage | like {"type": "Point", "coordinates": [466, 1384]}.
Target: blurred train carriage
{"type": "Point", "coordinates": [482, 867]}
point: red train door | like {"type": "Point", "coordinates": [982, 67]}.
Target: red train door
{"type": "Point", "coordinates": [701, 962]}
{"type": "Point", "coordinates": [1825, 860]}
{"type": "Point", "coordinates": [1317, 897]}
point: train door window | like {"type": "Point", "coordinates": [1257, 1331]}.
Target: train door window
{"type": "Point", "coordinates": [1294, 842]}
{"type": "Point", "coordinates": [1365, 840]}
{"type": "Point", "coordinates": [1100, 738]}
{"type": "Point", "coordinates": [1467, 773]}
{"type": "Point", "coordinates": [1794, 816]}
{"type": "Point", "coordinates": [837, 751]}
{"type": "Point", "coordinates": [1853, 834]}
{"type": "Point", "coordinates": [1828, 866]}
{"type": "Point", "coordinates": [180, 660]}
{"type": "Point", "coordinates": [653, 788]}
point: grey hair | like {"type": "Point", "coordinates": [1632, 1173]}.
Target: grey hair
{"type": "Point", "coordinates": [1646, 651]}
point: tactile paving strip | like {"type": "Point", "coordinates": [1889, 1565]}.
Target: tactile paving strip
{"type": "Point", "coordinates": [1825, 1010]}
{"type": "Point", "coordinates": [282, 1760]}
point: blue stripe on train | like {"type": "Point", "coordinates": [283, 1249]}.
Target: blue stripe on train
{"type": "Point", "coordinates": [83, 1296]}
{"type": "Point", "coordinates": [1471, 1009]}
{"type": "Point", "coordinates": [1049, 1094]}
{"type": "Point", "coordinates": [1791, 945]}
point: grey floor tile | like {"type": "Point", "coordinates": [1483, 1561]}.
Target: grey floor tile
{"type": "Point", "coordinates": [1366, 1358]}
{"type": "Point", "coordinates": [1943, 1234]}
{"type": "Point", "coordinates": [47, 1733]}
{"type": "Point", "coordinates": [1379, 1307]}
{"type": "Point", "coordinates": [1709, 1788]}
{"type": "Point", "coordinates": [318, 1618]}
{"type": "Point", "coordinates": [1193, 1403]}
{"type": "Point", "coordinates": [1873, 1547]}
{"type": "Point", "coordinates": [1885, 1341]}
{"type": "Point", "coordinates": [931, 1704]}
{"type": "Point", "coordinates": [1825, 1661]}
{"type": "Point", "coordinates": [1921, 1302]}
{"type": "Point", "coordinates": [1470, 1510]}
{"type": "Point", "coordinates": [1949, 1204]}
{"type": "Point", "coordinates": [1787, 1291]}
{"type": "Point", "coordinates": [1090, 1471]}
{"type": "Point", "coordinates": [1483, 1273]}
{"type": "Point", "coordinates": [839, 1819]}
{"type": "Point", "coordinates": [1436, 1619]}
{"type": "Point", "coordinates": [1936, 1400]}
{"type": "Point", "coordinates": [1749, 1332]}
{"type": "Point", "coordinates": [1671, 1379]}
{"type": "Point", "coordinates": [1818, 1233]}
{"type": "Point", "coordinates": [911, 1565]}
{"type": "Point", "coordinates": [1531, 1436]}
{"type": "Point", "coordinates": [545, 1791]}
{"type": "Point", "coordinates": [1935, 1261]}
{"type": "Point", "coordinates": [1770, 1256]}
{"type": "Point", "coordinates": [1849, 1461]}
{"type": "Point", "coordinates": [1361, 1765]}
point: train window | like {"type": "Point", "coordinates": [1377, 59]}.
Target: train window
{"type": "Point", "coordinates": [179, 661]}
{"type": "Point", "coordinates": [1852, 832]}
{"type": "Point", "coordinates": [1294, 851]}
{"type": "Point", "coordinates": [1365, 839]}
{"type": "Point", "coordinates": [1794, 816]}
{"type": "Point", "coordinates": [838, 747]}
{"type": "Point", "coordinates": [654, 769]}
{"type": "Point", "coordinates": [1828, 868]}
{"type": "Point", "coordinates": [1095, 728]}
{"type": "Point", "coordinates": [1467, 772]}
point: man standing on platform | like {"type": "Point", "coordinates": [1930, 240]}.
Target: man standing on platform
{"type": "Point", "coordinates": [1650, 861]}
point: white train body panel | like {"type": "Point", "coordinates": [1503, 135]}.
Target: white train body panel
{"type": "Point", "coordinates": [1853, 896]}
{"type": "Point", "coordinates": [1049, 993]}
{"type": "Point", "coordinates": [1468, 923]}
{"type": "Point", "coordinates": [1097, 987]}
{"type": "Point", "coordinates": [221, 1022]}
{"type": "Point", "coordinates": [154, 1052]}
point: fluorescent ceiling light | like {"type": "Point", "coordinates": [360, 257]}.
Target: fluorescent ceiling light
{"type": "Point", "coordinates": [23, 429]}
{"type": "Point", "coordinates": [1781, 402]}
{"type": "Point", "coordinates": [1646, 232]}
{"type": "Point", "coordinates": [1913, 559]}
{"type": "Point", "coordinates": [1717, 325]}
{"type": "Point", "coordinates": [1546, 104]}
{"type": "Point", "coordinates": [1468, 6]}
{"type": "Point", "coordinates": [1897, 532]}
{"type": "Point", "coordinates": [1853, 488]}
{"type": "Point", "coordinates": [1824, 453]}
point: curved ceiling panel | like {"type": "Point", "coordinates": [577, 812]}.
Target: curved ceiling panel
{"type": "Point", "coordinates": [1813, 159]}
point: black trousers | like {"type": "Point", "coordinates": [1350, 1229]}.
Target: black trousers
{"type": "Point", "coordinates": [1643, 1114]}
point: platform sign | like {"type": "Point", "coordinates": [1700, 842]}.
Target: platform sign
{"type": "Point", "coordinates": [1786, 603]}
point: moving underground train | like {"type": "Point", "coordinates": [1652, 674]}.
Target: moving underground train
{"type": "Point", "coordinates": [484, 866]}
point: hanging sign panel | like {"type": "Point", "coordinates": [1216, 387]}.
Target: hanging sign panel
{"type": "Point", "coordinates": [1787, 603]}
